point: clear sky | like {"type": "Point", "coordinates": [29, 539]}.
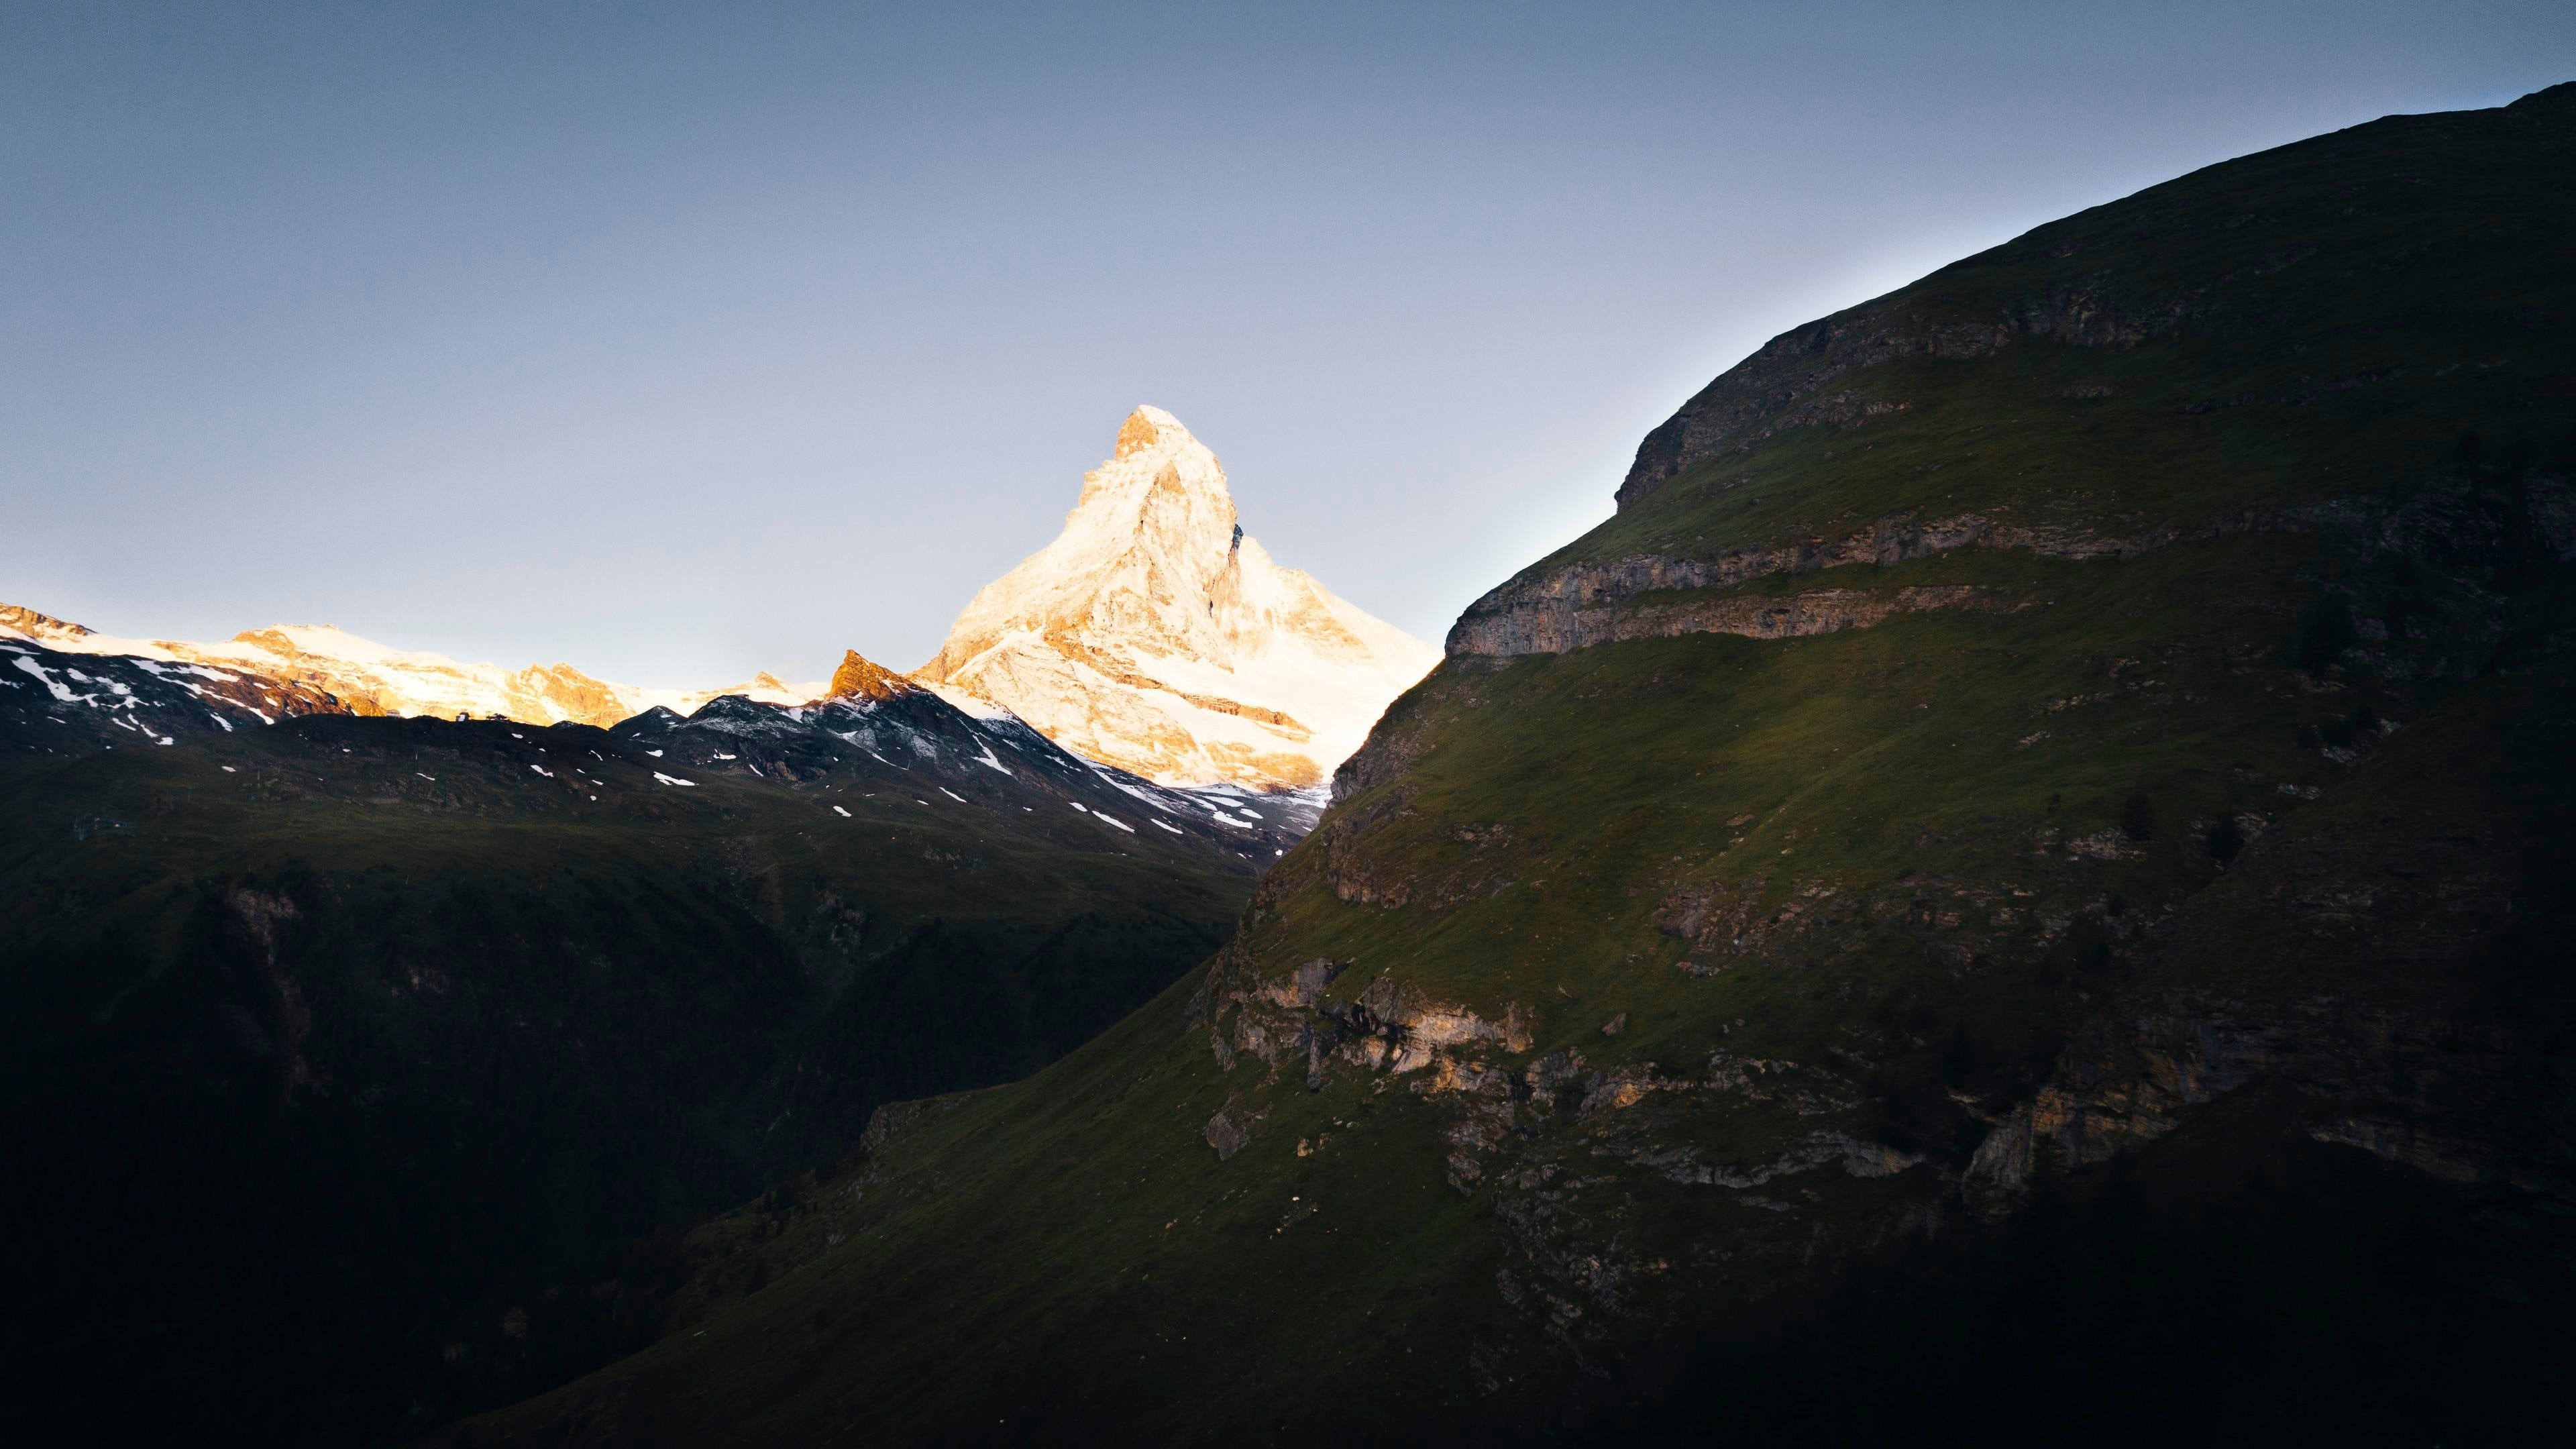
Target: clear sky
{"type": "Point", "coordinates": [681, 341]}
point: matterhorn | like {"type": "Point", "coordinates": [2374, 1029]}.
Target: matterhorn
{"type": "Point", "coordinates": [1155, 635]}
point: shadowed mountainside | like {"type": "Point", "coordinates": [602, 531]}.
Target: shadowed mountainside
{"type": "Point", "coordinates": [2024, 878]}
{"type": "Point", "coordinates": [366, 1071]}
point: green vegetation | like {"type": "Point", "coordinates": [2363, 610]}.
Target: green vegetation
{"type": "Point", "coordinates": [1068, 1253]}
{"type": "Point", "coordinates": [2315, 322]}
{"type": "Point", "coordinates": [2033, 976]}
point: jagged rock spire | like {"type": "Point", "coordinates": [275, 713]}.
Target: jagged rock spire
{"type": "Point", "coordinates": [1155, 634]}
{"type": "Point", "coordinates": [860, 677]}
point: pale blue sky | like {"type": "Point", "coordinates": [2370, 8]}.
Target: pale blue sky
{"type": "Point", "coordinates": [677, 342]}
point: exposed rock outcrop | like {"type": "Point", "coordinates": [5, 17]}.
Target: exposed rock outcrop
{"type": "Point", "coordinates": [1384, 1027]}
{"type": "Point", "coordinates": [2428, 1092]}
{"type": "Point", "coordinates": [1791, 616]}
{"type": "Point", "coordinates": [1560, 609]}
{"type": "Point", "coordinates": [862, 678]}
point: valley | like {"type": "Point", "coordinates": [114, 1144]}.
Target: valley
{"type": "Point", "coordinates": [368, 1069]}
{"type": "Point", "coordinates": [2018, 886]}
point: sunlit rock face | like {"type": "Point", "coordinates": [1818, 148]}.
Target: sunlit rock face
{"type": "Point", "coordinates": [1155, 635]}
{"type": "Point", "coordinates": [860, 677]}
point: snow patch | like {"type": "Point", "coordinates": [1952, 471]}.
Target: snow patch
{"type": "Point", "coordinates": [60, 690]}
{"type": "Point", "coordinates": [972, 706]}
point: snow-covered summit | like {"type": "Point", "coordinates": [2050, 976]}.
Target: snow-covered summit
{"type": "Point", "coordinates": [373, 678]}
{"type": "Point", "coordinates": [1155, 635]}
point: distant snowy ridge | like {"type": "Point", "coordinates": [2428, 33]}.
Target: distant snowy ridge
{"type": "Point", "coordinates": [1153, 634]}
{"type": "Point", "coordinates": [372, 678]}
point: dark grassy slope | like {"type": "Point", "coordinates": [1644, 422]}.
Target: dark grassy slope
{"type": "Point", "coordinates": [1069, 1253]}
{"type": "Point", "coordinates": [2135, 1001]}
{"type": "Point", "coordinates": [2299, 324]}
{"type": "Point", "coordinates": [360, 1074]}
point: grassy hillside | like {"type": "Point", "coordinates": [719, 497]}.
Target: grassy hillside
{"type": "Point", "coordinates": [2295, 325]}
{"type": "Point", "coordinates": [1734, 995]}
{"type": "Point", "coordinates": [365, 1071]}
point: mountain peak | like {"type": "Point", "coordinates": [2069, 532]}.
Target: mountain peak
{"type": "Point", "coordinates": [1157, 460]}
{"type": "Point", "coordinates": [39, 626]}
{"type": "Point", "coordinates": [860, 677]}
{"type": "Point", "coordinates": [1155, 635]}
{"type": "Point", "coordinates": [1147, 427]}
